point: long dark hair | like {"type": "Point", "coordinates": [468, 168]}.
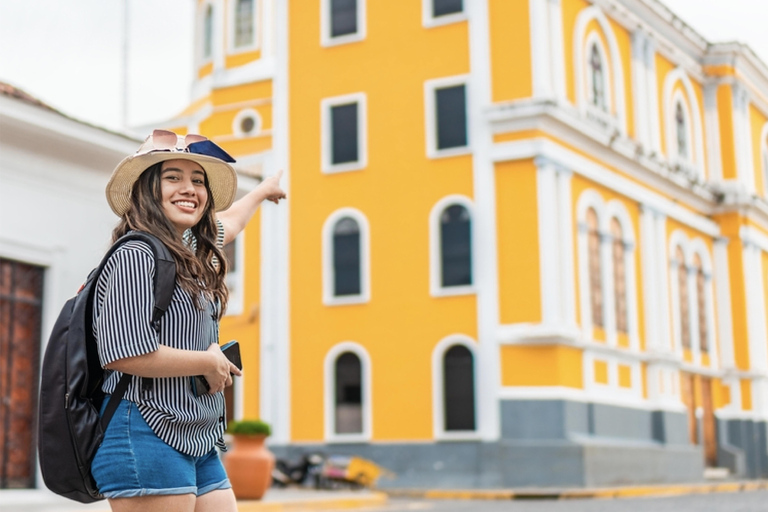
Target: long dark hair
{"type": "Point", "coordinates": [199, 273]}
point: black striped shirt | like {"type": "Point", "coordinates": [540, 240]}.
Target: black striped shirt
{"type": "Point", "coordinates": [122, 313]}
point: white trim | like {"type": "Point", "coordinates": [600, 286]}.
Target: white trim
{"type": "Point", "coordinates": [258, 124]}
{"type": "Point", "coordinates": [754, 285]}
{"type": "Point", "coordinates": [325, 25]}
{"type": "Point", "coordinates": [742, 133]}
{"type": "Point", "coordinates": [590, 198]}
{"type": "Point", "coordinates": [201, 59]}
{"type": "Point", "coordinates": [541, 72]}
{"type": "Point", "coordinates": [232, 26]}
{"type": "Point", "coordinates": [430, 115]}
{"type": "Point", "coordinates": [485, 232]}
{"type": "Point", "coordinates": [616, 210]}
{"type": "Point", "coordinates": [764, 158]}
{"type": "Point", "coordinates": [531, 148]}
{"type": "Point", "coordinates": [579, 395]}
{"type": "Point", "coordinates": [614, 71]}
{"type": "Point", "coordinates": [429, 21]}
{"type": "Point", "coordinates": [690, 104]}
{"type": "Point", "coordinates": [712, 128]}
{"type": "Point", "coordinates": [438, 382]}
{"type": "Point", "coordinates": [329, 395]}
{"type": "Point", "coordinates": [236, 280]}
{"type": "Point", "coordinates": [612, 390]}
{"type": "Point", "coordinates": [436, 289]}
{"type": "Point", "coordinates": [329, 299]}
{"type": "Point", "coordinates": [274, 300]}
{"type": "Point", "coordinates": [594, 40]}
{"type": "Point", "coordinates": [326, 132]}
{"type": "Point", "coordinates": [723, 288]}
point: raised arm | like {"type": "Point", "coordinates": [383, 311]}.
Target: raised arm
{"type": "Point", "coordinates": [236, 217]}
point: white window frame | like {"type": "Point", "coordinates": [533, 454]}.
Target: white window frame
{"type": "Point", "coordinates": [329, 299]}
{"type": "Point", "coordinates": [430, 115]}
{"type": "Point", "coordinates": [329, 395]}
{"type": "Point", "coordinates": [236, 280]}
{"type": "Point", "coordinates": [232, 25]}
{"type": "Point", "coordinates": [325, 25]}
{"type": "Point", "coordinates": [438, 390]}
{"type": "Point", "coordinates": [430, 21]}
{"type": "Point", "coordinates": [248, 112]}
{"type": "Point", "coordinates": [694, 165]}
{"type": "Point", "coordinates": [202, 60]}
{"type": "Point", "coordinates": [685, 162]}
{"type": "Point", "coordinates": [326, 133]}
{"type": "Point", "coordinates": [606, 116]}
{"type": "Point", "coordinates": [435, 255]}
{"type": "Point", "coordinates": [605, 212]}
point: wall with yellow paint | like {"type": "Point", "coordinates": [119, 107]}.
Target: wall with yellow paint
{"type": "Point", "coordinates": [395, 192]}
{"type": "Point", "coordinates": [518, 242]}
{"type": "Point", "coordinates": [725, 120]}
{"type": "Point", "coordinates": [541, 365]}
{"type": "Point", "coordinates": [510, 40]}
{"type": "Point", "coordinates": [757, 121]}
{"type": "Point", "coordinates": [570, 11]}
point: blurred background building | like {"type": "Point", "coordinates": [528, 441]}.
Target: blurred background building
{"type": "Point", "coordinates": [524, 242]}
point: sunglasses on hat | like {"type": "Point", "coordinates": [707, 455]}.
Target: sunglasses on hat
{"type": "Point", "coordinates": [164, 140]}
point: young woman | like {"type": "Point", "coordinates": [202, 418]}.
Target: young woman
{"type": "Point", "coordinates": [159, 451]}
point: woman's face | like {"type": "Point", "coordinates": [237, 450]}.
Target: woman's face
{"type": "Point", "coordinates": [184, 196]}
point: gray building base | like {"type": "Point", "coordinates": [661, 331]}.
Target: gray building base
{"type": "Point", "coordinates": [546, 443]}
{"type": "Point", "coordinates": [743, 447]}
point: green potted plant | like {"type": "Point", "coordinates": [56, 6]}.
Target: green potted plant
{"type": "Point", "coordinates": [249, 462]}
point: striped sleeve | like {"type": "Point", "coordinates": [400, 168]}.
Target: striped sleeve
{"type": "Point", "coordinates": [123, 326]}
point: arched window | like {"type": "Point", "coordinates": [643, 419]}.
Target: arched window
{"type": "Point", "coordinates": [346, 257]}
{"type": "Point", "coordinates": [208, 33]}
{"type": "Point", "coordinates": [619, 277]}
{"type": "Point", "coordinates": [597, 94]}
{"type": "Point", "coordinates": [595, 269]}
{"type": "Point", "coordinates": [459, 389]}
{"type": "Point", "coordinates": [244, 23]}
{"type": "Point", "coordinates": [348, 396]}
{"type": "Point", "coordinates": [681, 127]}
{"type": "Point", "coordinates": [456, 246]}
{"type": "Point", "coordinates": [682, 285]}
{"type": "Point", "coordinates": [701, 302]}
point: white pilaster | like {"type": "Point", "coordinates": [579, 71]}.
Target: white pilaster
{"type": "Point", "coordinates": [712, 123]}
{"type": "Point", "coordinates": [540, 48]}
{"type": "Point", "coordinates": [275, 370]}
{"type": "Point", "coordinates": [609, 297]}
{"type": "Point", "coordinates": [664, 330]}
{"type": "Point", "coordinates": [549, 267]}
{"type": "Point", "coordinates": [723, 290]}
{"type": "Point", "coordinates": [557, 49]}
{"type": "Point", "coordinates": [565, 251]}
{"type": "Point", "coordinates": [755, 288]}
{"type": "Point", "coordinates": [640, 84]}
{"type": "Point", "coordinates": [489, 380]}
{"type": "Point", "coordinates": [648, 257]}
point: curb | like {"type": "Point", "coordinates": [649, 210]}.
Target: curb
{"type": "Point", "coordinates": [567, 494]}
{"type": "Point", "coordinates": [347, 502]}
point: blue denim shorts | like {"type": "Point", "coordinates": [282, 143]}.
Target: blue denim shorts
{"type": "Point", "coordinates": [133, 461]}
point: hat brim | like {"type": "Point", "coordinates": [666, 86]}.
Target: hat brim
{"type": "Point", "coordinates": [222, 178]}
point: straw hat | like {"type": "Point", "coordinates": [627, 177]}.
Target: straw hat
{"type": "Point", "coordinates": [164, 145]}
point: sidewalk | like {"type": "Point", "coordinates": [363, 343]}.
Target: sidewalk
{"type": "Point", "coordinates": [578, 493]}
{"type": "Point", "coordinates": [274, 500]}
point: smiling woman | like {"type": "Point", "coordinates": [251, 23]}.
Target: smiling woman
{"type": "Point", "coordinates": [175, 188]}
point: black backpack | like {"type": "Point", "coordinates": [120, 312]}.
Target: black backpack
{"type": "Point", "coordinates": [70, 429]}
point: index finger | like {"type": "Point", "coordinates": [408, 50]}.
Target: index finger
{"type": "Point", "coordinates": [278, 175]}
{"type": "Point", "coordinates": [234, 369]}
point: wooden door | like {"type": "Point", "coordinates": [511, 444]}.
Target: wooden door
{"type": "Point", "coordinates": [688, 394]}
{"type": "Point", "coordinates": [21, 291]}
{"type": "Point", "coordinates": [709, 427]}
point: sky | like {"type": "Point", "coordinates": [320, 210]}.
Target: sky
{"type": "Point", "coordinates": [70, 53]}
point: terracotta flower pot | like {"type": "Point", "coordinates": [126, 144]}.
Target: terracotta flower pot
{"type": "Point", "coordinates": [249, 466]}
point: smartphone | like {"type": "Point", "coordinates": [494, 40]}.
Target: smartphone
{"type": "Point", "coordinates": [231, 351]}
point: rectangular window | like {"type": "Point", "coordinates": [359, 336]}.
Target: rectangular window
{"type": "Point", "coordinates": [342, 21]}
{"type": "Point", "coordinates": [343, 17]}
{"type": "Point", "coordinates": [451, 117]}
{"type": "Point", "coordinates": [244, 23]}
{"type": "Point", "coordinates": [446, 117]}
{"type": "Point", "coordinates": [446, 7]}
{"type": "Point", "coordinates": [344, 133]}
{"type": "Point", "coordinates": [442, 12]}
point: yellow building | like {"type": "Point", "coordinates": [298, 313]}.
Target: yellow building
{"type": "Point", "coordinates": [524, 243]}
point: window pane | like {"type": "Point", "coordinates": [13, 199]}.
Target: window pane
{"type": "Point", "coordinates": [451, 117]}
{"type": "Point", "coordinates": [348, 399]}
{"type": "Point", "coordinates": [444, 7]}
{"type": "Point", "coordinates": [208, 33]}
{"type": "Point", "coordinates": [244, 23]}
{"type": "Point", "coordinates": [344, 134]}
{"type": "Point", "coordinates": [346, 258]}
{"type": "Point", "coordinates": [595, 269]}
{"type": "Point", "coordinates": [682, 284]}
{"type": "Point", "coordinates": [343, 17]}
{"type": "Point", "coordinates": [456, 246]}
{"type": "Point", "coordinates": [619, 278]}
{"type": "Point", "coordinates": [459, 389]}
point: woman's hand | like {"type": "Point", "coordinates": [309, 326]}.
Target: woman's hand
{"type": "Point", "coordinates": [270, 188]}
{"type": "Point", "coordinates": [219, 376]}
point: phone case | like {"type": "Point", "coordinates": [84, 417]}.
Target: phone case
{"type": "Point", "coordinates": [231, 351]}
